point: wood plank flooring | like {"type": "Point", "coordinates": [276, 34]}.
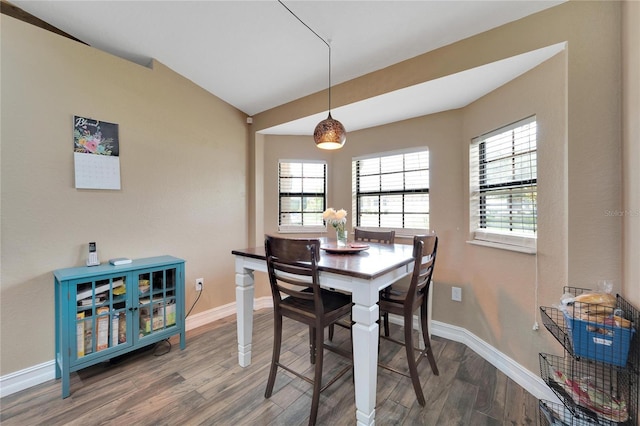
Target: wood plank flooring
{"type": "Point", "coordinates": [204, 385]}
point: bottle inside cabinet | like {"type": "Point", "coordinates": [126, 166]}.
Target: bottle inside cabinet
{"type": "Point", "coordinates": [157, 300]}
{"type": "Point", "coordinates": [100, 315]}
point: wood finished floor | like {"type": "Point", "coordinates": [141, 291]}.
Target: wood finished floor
{"type": "Point", "coordinates": [204, 385]}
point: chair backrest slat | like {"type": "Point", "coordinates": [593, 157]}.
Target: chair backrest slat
{"type": "Point", "coordinates": [292, 265]}
{"type": "Point", "coordinates": [383, 237]}
{"type": "Point", "coordinates": [425, 248]}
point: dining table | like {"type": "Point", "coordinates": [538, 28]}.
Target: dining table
{"type": "Point", "coordinates": [362, 272]}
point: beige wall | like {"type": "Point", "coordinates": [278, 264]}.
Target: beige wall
{"type": "Point", "coordinates": [503, 288]}
{"type": "Point", "coordinates": [577, 95]}
{"type": "Point", "coordinates": [183, 171]}
{"type": "Point", "coordinates": [631, 149]}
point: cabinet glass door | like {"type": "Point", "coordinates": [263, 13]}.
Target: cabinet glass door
{"type": "Point", "coordinates": [157, 301]}
{"type": "Point", "coordinates": [101, 320]}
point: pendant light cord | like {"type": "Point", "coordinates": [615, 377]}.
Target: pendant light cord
{"type": "Point", "coordinates": [323, 40]}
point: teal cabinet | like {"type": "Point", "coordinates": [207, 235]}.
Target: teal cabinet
{"type": "Point", "coordinates": [105, 311]}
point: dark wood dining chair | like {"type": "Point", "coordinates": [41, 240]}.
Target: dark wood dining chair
{"type": "Point", "coordinates": [383, 237]}
{"type": "Point", "coordinates": [404, 301]}
{"type": "Point", "coordinates": [362, 235]}
{"type": "Point", "coordinates": [292, 265]}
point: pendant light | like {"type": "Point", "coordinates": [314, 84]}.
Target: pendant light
{"type": "Point", "coordinates": [329, 133]}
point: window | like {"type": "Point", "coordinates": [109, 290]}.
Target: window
{"type": "Point", "coordinates": [503, 183]}
{"type": "Point", "coordinates": [301, 195]}
{"type": "Point", "coordinates": [392, 190]}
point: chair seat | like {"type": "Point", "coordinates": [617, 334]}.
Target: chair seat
{"type": "Point", "coordinates": [396, 307]}
{"type": "Point", "coordinates": [336, 305]}
{"type": "Point", "coordinates": [396, 292]}
{"type": "Point", "coordinates": [394, 298]}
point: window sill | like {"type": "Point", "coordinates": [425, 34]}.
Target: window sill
{"type": "Point", "coordinates": [502, 246]}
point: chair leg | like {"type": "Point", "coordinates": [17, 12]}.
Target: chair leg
{"type": "Point", "coordinates": [427, 342]}
{"type": "Point", "coordinates": [385, 317]}
{"type": "Point", "coordinates": [317, 378]}
{"type": "Point", "coordinates": [275, 358]}
{"type": "Point", "coordinates": [332, 328]}
{"type": "Point", "coordinates": [411, 360]}
{"type": "Point", "coordinates": [312, 345]}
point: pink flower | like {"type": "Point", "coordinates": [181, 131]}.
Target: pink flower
{"type": "Point", "coordinates": [91, 146]}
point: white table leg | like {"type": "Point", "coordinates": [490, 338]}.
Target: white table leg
{"type": "Point", "coordinates": [244, 308]}
{"type": "Point", "coordinates": [365, 356]}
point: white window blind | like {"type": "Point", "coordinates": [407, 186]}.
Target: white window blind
{"type": "Point", "coordinates": [503, 184]}
{"type": "Point", "coordinates": [302, 195]}
{"type": "Point", "coordinates": [392, 191]}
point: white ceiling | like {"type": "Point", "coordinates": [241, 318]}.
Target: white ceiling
{"type": "Point", "coordinates": [255, 55]}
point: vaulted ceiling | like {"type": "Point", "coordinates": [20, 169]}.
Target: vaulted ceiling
{"type": "Point", "coordinates": [256, 55]}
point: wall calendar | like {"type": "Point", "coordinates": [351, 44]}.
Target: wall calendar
{"type": "Point", "coordinates": [96, 151]}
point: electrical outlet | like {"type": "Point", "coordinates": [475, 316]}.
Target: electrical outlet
{"type": "Point", "coordinates": [199, 284]}
{"type": "Point", "coordinates": [456, 294]}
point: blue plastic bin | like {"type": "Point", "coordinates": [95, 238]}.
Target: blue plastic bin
{"type": "Point", "coordinates": [599, 342]}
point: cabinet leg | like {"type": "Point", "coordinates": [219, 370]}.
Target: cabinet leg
{"type": "Point", "coordinates": [65, 385]}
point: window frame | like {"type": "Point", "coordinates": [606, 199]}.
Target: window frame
{"type": "Point", "coordinates": [521, 241]}
{"type": "Point", "coordinates": [356, 194]}
{"type": "Point", "coordinates": [301, 228]}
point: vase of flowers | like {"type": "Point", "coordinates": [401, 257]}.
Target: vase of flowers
{"type": "Point", "coordinates": [337, 219]}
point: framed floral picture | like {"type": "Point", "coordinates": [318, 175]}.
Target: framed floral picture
{"type": "Point", "coordinates": [96, 150]}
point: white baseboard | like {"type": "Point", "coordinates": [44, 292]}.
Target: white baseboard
{"type": "Point", "coordinates": [206, 317]}
{"type": "Point", "coordinates": [23, 379]}
{"type": "Point", "coordinates": [516, 372]}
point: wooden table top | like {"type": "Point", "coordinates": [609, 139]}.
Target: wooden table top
{"type": "Point", "coordinates": [368, 264]}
